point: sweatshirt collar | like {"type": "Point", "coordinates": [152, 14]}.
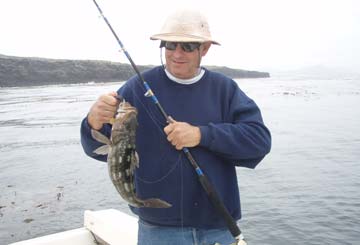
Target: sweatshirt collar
{"type": "Point", "coordinates": [186, 81]}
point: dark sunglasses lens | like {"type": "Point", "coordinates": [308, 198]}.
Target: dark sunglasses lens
{"type": "Point", "coordinates": [170, 45]}
{"type": "Point", "coordinates": [189, 47]}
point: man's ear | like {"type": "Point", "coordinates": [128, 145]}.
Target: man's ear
{"type": "Point", "coordinates": [205, 48]}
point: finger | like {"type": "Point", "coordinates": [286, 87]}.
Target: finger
{"type": "Point", "coordinates": [178, 146]}
{"type": "Point", "coordinates": [107, 108]}
{"type": "Point", "coordinates": [102, 115]}
{"type": "Point", "coordinates": [107, 114]}
{"type": "Point", "coordinates": [168, 129]}
{"type": "Point", "coordinates": [170, 119]}
{"type": "Point", "coordinates": [117, 96]}
{"type": "Point", "coordinates": [171, 139]}
{"type": "Point", "coordinates": [106, 103]}
{"type": "Point", "coordinates": [109, 99]}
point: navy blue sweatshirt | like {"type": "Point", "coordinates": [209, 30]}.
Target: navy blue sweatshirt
{"type": "Point", "coordinates": [232, 134]}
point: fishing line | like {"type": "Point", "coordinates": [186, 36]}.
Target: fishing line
{"type": "Point", "coordinates": [153, 118]}
{"type": "Point", "coordinates": [204, 181]}
{"type": "Point", "coordinates": [158, 125]}
{"type": "Point", "coordinates": [182, 201]}
{"type": "Point", "coordinates": [165, 175]}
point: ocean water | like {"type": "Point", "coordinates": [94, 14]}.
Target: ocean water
{"type": "Point", "coordinates": [306, 191]}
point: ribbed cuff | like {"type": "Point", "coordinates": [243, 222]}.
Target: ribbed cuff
{"type": "Point", "coordinates": [205, 136]}
{"type": "Point", "coordinates": [88, 128]}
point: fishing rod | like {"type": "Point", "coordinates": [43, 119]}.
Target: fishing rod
{"type": "Point", "coordinates": [206, 184]}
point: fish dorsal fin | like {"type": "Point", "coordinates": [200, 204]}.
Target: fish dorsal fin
{"type": "Point", "coordinates": [100, 137]}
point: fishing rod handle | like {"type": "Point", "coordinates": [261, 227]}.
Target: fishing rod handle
{"type": "Point", "coordinates": [219, 206]}
{"type": "Point", "coordinates": [212, 194]}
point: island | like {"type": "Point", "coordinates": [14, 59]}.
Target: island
{"type": "Point", "coordinates": [33, 71]}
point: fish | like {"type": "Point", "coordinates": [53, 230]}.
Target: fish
{"type": "Point", "coordinates": [122, 157]}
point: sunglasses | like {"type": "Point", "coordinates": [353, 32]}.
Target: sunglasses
{"type": "Point", "coordinates": [185, 46]}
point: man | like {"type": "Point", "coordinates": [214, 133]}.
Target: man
{"type": "Point", "coordinates": [209, 114]}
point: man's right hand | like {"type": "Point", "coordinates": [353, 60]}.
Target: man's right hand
{"type": "Point", "coordinates": [102, 110]}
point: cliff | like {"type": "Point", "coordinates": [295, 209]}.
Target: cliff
{"type": "Point", "coordinates": [24, 71]}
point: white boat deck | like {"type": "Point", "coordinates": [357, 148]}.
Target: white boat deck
{"type": "Point", "coordinates": [106, 226]}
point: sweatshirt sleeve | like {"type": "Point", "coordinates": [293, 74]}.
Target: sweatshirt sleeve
{"type": "Point", "coordinates": [88, 143]}
{"type": "Point", "coordinates": [243, 138]}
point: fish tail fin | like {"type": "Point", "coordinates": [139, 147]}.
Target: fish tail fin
{"type": "Point", "coordinates": [156, 203]}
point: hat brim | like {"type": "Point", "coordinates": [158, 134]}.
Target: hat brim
{"type": "Point", "coordinates": [172, 37]}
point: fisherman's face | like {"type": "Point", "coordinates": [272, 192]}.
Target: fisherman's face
{"type": "Point", "coordinates": [182, 64]}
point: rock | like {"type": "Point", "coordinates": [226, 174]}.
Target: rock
{"type": "Point", "coordinates": [28, 220]}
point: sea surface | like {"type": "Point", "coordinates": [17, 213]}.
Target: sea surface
{"type": "Point", "coordinates": [306, 191]}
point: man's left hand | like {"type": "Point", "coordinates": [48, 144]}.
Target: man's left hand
{"type": "Point", "coordinates": [182, 134]}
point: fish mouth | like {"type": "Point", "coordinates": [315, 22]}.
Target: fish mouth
{"type": "Point", "coordinates": [126, 114]}
{"type": "Point", "coordinates": [125, 110]}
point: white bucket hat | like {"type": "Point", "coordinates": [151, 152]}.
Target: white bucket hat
{"type": "Point", "coordinates": [185, 26]}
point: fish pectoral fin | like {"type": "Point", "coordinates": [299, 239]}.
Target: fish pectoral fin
{"type": "Point", "coordinates": [102, 150]}
{"type": "Point", "coordinates": [100, 137]}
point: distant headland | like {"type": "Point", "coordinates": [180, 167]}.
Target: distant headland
{"type": "Point", "coordinates": [29, 71]}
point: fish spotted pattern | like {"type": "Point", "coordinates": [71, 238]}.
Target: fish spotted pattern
{"type": "Point", "coordinates": [122, 158]}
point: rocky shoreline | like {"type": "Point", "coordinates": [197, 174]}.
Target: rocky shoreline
{"type": "Point", "coordinates": [28, 71]}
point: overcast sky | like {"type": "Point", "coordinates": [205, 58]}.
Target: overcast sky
{"type": "Point", "coordinates": [255, 34]}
